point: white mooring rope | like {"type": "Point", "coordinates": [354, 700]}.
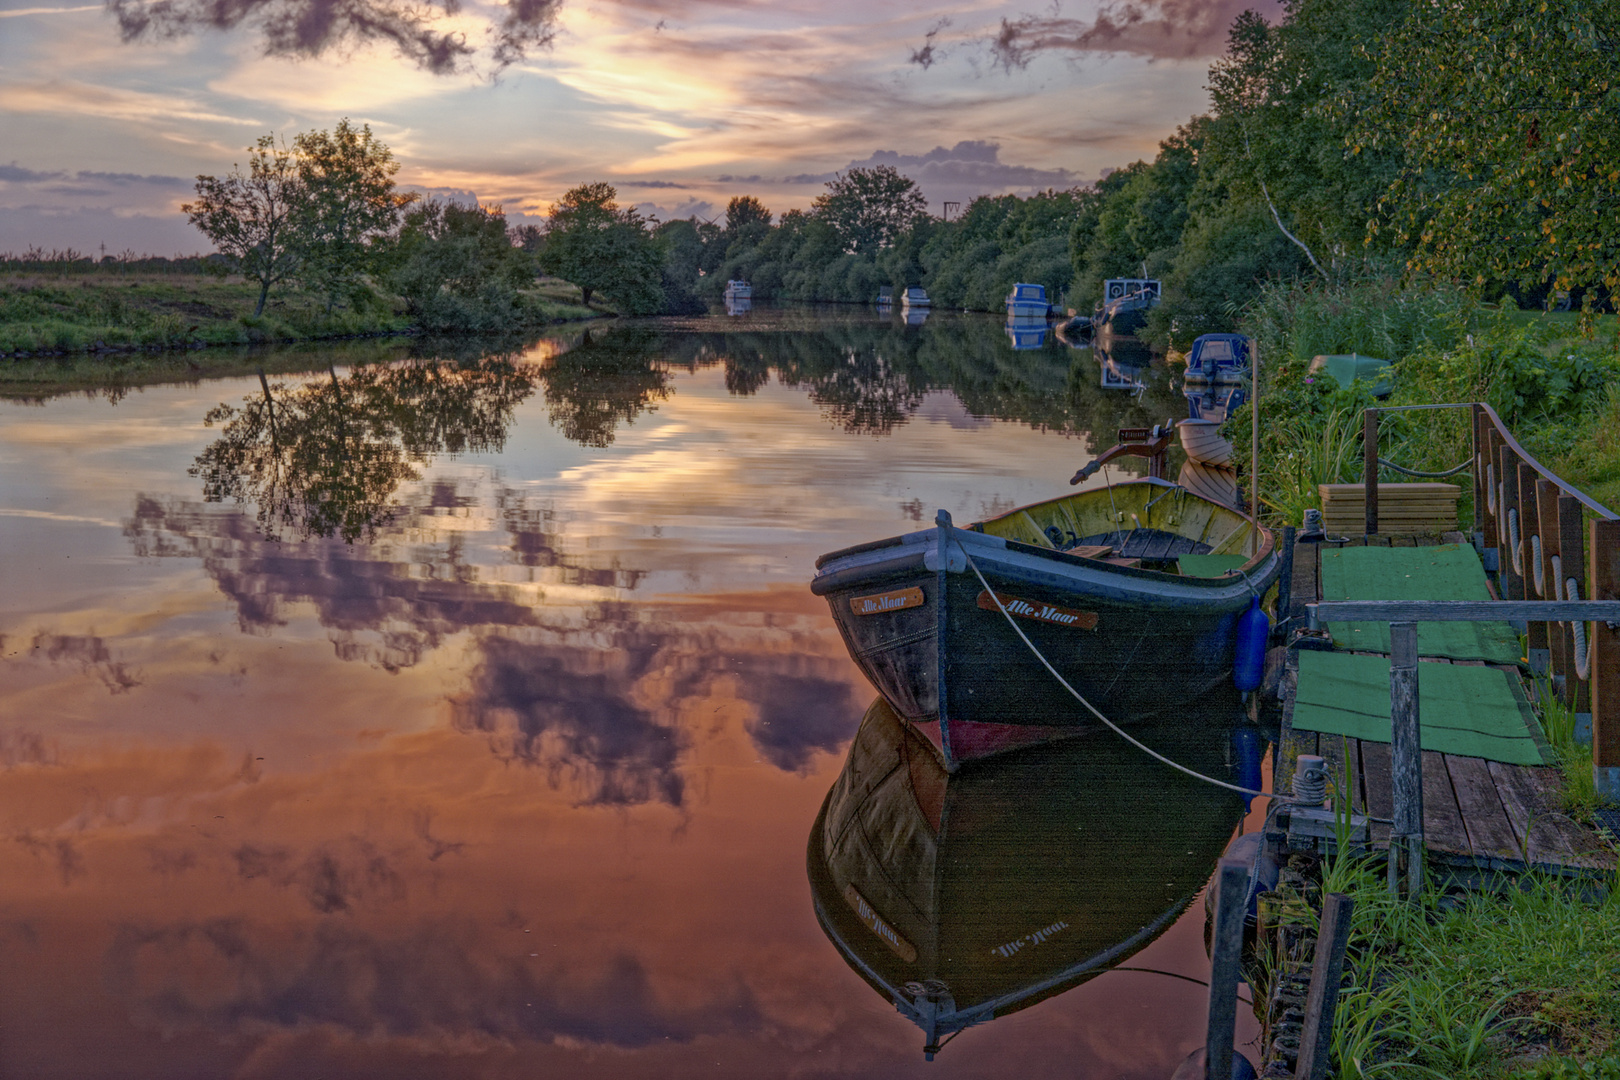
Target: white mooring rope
{"type": "Point", "coordinates": [1115, 728]}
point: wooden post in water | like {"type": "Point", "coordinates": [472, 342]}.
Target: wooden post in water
{"type": "Point", "coordinates": [1604, 656]}
{"type": "Point", "coordinates": [1369, 453]}
{"type": "Point", "coordinates": [1327, 968]}
{"type": "Point", "coordinates": [1406, 769]}
{"type": "Point", "coordinates": [1231, 886]}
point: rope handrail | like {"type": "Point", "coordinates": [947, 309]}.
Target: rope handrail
{"type": "Point", "coordinates": [1385, 463]}
{"type": "Point", "coordinates": [1513, 444]}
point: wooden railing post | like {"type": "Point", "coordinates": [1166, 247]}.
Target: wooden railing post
{"type": "Point", "coordinates": [1605, 660]}
{"type": "Point", "coordinates": [1490, 520]}
{"type": "Point", "coordinates": [1507, 467]}
{"type": "Point", "coordinates": [1539, 652]}
{"type": "Point", "coordinates": [1547, 528]}
{"type": "Point", "coordinates": [1322, 999]}
{"type": "Point", "coordinates": [1406, 765]}
{"type": "Point", "coordinates": [1369, 451]}
{"type": "Point", "coordinates": [1572, 557]}
{"type": "Point", "coordinates": [1231, 887]}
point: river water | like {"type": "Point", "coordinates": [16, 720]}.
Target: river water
{"type": "Point", "coordinates": [463, 711]}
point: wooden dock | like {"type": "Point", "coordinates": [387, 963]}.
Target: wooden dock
{"type": "Point", "coordinates": [1478, 816]}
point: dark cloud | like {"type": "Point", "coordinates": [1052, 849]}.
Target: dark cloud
{"type": "Point", "coordinates": [133, 178]}
{"type": "Point", "coordinates": [23, 746]}
{"type": "Point", "coordinates": [1157, 29]}
{"type": "Point", "coordinates": [959, 173]}
{"type": "Point", "coordinates": [372, 598]}
{"type": "Point", "coordinates": [334, 878]}
{"type": "Point", "coordinates": [799, 710]}
{"type": "Point", "coordinates": [90, 654]}
{"type": "Point", "coordinates": [439, 983]}
{"type": "Point", "coordinates": [58, 849]}
{"type": "Point", "coordinates": [570, 712]}
{"type": "Point", "coordinates": [15, 174]}
{"type": "Point", "coordinates": [310, 28]}
{"type": "Point", "coordinates": [652, 184]}
{"type": "Point", "coordinates": [925, 55]}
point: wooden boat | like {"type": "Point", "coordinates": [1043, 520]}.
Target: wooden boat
{"type": "Point", "coordinates": [1101, 583]}
{"type": "Point", "coordinates": [963, 898]}
{"type": "Point", "coordinates": [1212, 482]}
{"type": "Point", "coordinates": [1203, 442]}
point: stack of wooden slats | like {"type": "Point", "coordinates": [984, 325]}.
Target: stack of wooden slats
{"type": "Point", "coordinates": [1403, 509]}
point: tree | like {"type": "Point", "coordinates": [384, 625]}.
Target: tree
{"type": "Point", "coordinates": [348, 206]}
{"type": "Point", "coordinates": [254, 220]}
{"type": "Point", "coordinates": [1508, 114]}
{"type": "Point", "coordinates": [457, 269]}
{"type": "Point", "coordinates": [602, 247]}
{"type": "Point", "coordinates": [870, 208]}
{"type": "Point", "coordinates": [747, 221]}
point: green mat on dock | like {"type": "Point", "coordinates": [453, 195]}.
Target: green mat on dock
{"type": "Point", "coordinates": [1446, 572]}
{"type": "Point", "coordinates": [1464, 709]}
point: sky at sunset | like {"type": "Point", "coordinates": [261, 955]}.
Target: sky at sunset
{"type": "Point", "coordinates": [108, 111]}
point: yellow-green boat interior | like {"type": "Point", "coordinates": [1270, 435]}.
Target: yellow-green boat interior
{"type": "Point", "coordinates": [1150, 526]}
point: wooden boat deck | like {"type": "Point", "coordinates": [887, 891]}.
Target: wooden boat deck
{"type": "Point", "coordinates": [1478, 815]}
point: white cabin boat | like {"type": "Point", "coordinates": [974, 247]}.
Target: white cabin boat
{"type": "Point", "coordinates": [914, 297]}
{"type": "Point", "coordinates": [739, 290]}
{"type": "Point", "coordinates": [1027, 301]}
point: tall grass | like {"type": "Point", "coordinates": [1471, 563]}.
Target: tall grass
{"type": "Point", "coordinates": [1460, 986]}
{"type": "Point", "coordinates": [1560, 395]}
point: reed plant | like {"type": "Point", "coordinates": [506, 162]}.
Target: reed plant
{"type": "Point", "coordinates": [1479, 984]}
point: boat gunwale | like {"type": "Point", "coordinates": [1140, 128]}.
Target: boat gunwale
{"type": "Point", "coordinates": [1102, 582]}
{"type": "Point", "coordinates": [1266, 547]}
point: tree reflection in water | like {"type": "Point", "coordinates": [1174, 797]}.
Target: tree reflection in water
{"type": "Point", "coordinates": [325, 458]}
{"type": "Point", "coordinates": [868, 376]}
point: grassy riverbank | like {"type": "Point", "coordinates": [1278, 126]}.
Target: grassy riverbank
{"type": "Point", "coordinates": [57, 314]}
{"type": "Point", "coordinates": [1554, 378]}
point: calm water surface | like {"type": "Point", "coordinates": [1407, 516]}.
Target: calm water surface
{"type": "Point", "coordinates": [469, 715]}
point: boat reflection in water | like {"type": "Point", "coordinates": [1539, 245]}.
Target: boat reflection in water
{"type": "Point", "coordinates": [1124, 361]}
{"type": "Point", "coordinates": [965, 897]}
{"type": "Point", "coordinates": [1027, 331]}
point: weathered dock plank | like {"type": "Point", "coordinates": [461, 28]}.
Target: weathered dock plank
{"type": "Point", "coordinates": [1490, 834]}
{"type": "Point", "coordinates": [1551, 840]}
{"type": "Point", "coordinates": [1443, 831]}
{"type": "Point", "coordinates": [1379, 786]}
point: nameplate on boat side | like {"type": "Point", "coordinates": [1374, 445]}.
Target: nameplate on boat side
{"type": "Point", "coordinates": [1031, 609]}
{"type": "Point", "coordinates": [889, 601]}
{"type": "Point", "coordinates": [874, 922]}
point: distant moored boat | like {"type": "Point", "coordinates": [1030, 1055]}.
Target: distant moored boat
{"type": "Point", "coordinates": [1027, 301]}
{"type": "Point", "coordinates": [914, 297]}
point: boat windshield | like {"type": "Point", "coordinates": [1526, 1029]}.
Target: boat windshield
{"type": "Point", "coordinates": [1217, 350]}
